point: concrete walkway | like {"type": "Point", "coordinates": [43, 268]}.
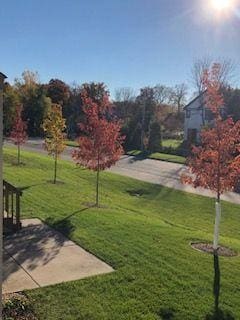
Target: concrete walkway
{"type": "Point", "coordinates": [154, 171]}
{"type": "Point", "coordinates": [38, 256]}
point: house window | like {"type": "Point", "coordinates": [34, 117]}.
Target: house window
{"type": "Point", "coordinates": [188, 113]}
{"type": "Point", "coordinates": [192, 136]}
{"type": "Point", "coordinates": [208, 114]}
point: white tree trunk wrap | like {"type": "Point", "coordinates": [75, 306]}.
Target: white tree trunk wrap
{"type": "Point", "coordinates": [217, 223]}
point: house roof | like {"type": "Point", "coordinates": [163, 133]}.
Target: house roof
{"type": "Point", "coordinates": [3, 75]}
{"type": "Point", "coordinates": [196, 98]}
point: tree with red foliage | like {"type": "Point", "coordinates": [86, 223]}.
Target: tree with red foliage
{"type": "Point", "coordinates": [215, 164]}
{"type": "Point", "coordinates": [101, 145]}
{"type": "Point", "coordinates": [19, 131]}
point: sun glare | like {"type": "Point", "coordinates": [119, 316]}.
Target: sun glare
{"type": "Point", "coordinates": [222, 5]}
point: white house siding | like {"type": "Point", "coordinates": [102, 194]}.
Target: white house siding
{"type": "Point", "coordinates": [195, 119]}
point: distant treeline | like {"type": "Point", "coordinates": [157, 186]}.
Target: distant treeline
{"type": "Point", "coordinates": [146, 116]}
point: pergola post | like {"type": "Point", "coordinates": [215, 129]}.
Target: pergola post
{"type": "Point", "coordinates": [2, 78]}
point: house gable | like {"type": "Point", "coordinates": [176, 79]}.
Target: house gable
{"type": "Point", "coordinates": [194, 118]}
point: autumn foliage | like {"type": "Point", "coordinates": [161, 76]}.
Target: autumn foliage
{"type": "Point", "coordinates": [19, 130]}
{"type": "Point", "coordinates": [54, 126]}
{"type": "Point", "coordinates": [215, 164]}
{"type": "Point", "coordinates": [100, 146]}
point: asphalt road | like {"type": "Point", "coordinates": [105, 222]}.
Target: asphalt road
{"type": "Point", "coordinates": [154, 171]}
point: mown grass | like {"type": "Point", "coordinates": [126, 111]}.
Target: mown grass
{"type": "Point", "coordinates": [156, 155]}
{"type": "Point", "coordinates": [71, 143]}
{"type": "Point", "coordinates": [159, 156]}
{"type": "Point", "coordinates": [168, 157]}
{"type": "Point", "coordinates": [173, 143]}
{"type": "Point", "coordinates": [144, 232]}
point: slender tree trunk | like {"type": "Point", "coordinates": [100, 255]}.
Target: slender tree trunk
{"type": "Point", "coordinates": [142, 126]}
{"type": "Point", "coordinates": [217, 224]}
{"type": "Point", "coordinates": [216, 284]}
{"type": "Point", "coordinates": [97, 189]}
{"type": "Point", "coordinates": [18, 161]}
{"type": "Point", "coordinates": [97, 185]}
{"type": "Point", "coordinates": [179, 107]}
{"type": "Point", "coordinates": [218, 203]}
{"type": "Point", "coordinates": [55, 168]}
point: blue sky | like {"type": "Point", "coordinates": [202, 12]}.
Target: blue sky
{"type": "Point", "coordinates": [120, 42]}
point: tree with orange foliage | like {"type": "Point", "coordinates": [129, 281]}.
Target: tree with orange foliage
{"type": "Point", "coordinates": [19, 131]}
{"type": "Point", "coordinates": [215, 164]}
{"type": "Point", "coordinates": [101, 145]}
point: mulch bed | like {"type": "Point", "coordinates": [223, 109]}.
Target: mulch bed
{"type": "Point", "coordinates": [16, 306]}
{"type": "Point", "coordinates": [208, 248]}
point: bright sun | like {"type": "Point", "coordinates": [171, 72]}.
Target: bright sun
{"type": "Point", "coordinates": [221, 5]}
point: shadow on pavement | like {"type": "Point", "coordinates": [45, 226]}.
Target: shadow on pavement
{"type": "Point", "coordinates": [139, 157]}
{"type": "Point", "coordinates": [34, 245]}
{"type": "Point", "coordinates": [37, 243]}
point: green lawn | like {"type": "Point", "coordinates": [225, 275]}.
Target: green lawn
{"type": "Point", "coordinates": [160, 156]}
{"type": "Point", "coordinates": [145, 238]}
{"type": "Point", "coordinates": [71, 143]}
{"type": "Point", "coordinates": [174, 143]}
{"type": "Point", "coordinates": [167, 157]}
{"type": "Point", "coordinates": [156, 155]}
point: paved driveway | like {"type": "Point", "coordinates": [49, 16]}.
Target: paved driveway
{"type": "Point", "coordinates": [149, 170]}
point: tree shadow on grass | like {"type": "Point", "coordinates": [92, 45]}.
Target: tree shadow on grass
{"type": "Point", "coordinates": [64, 225]}
{"type": "Point", "coordinates": [150, 192]}
{"type": "Point", "coordinates": [23, 188]}
{"type": "Point", "coordinates": [145, 189]}
{"type": "Point", "coordinates": [220, 315]}
{"type": "Point", "coordinates": [166, 314]}
{"type": "Point", "coordinates": [137, 192]}
{"type": "Point", "coordinates": [217, 313]}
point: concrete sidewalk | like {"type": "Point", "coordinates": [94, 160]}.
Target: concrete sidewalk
{"type": "Point", "coordinates": [38, 256]}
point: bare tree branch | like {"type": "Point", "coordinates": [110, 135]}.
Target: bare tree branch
{"type": "Point", "coordinates": [162, 94]}
{"type": "Point", "coordinates": [124, 94]}
{"type": "Point", "coordinates": [179, 96]}
{"type": "Point", "coordinates": [226, 75]}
